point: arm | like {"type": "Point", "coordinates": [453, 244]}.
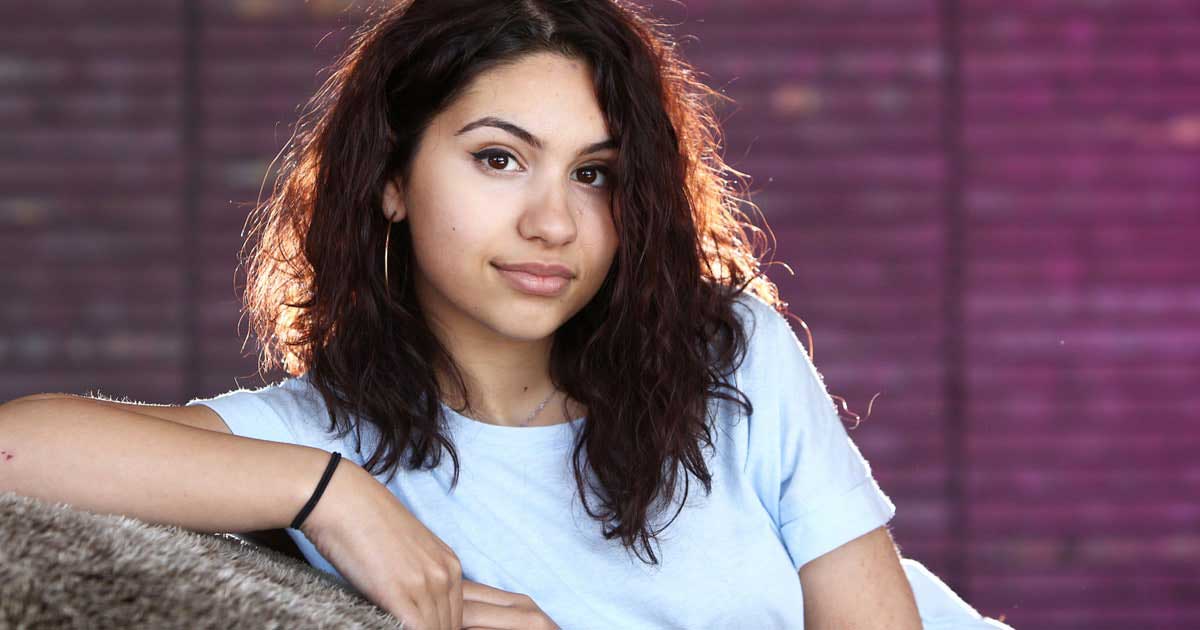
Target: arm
{"type": "Point", "coordinates": [197, 416]}
{"type": "Point", "coordinates": [102, 458]}
{"type": "Point", "coordinates": [859, 585]}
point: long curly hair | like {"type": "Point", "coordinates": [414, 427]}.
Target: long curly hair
{"type": "Point", "coordinates": [645, 356]}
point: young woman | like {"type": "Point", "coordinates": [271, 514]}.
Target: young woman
{"type": "Point", "coordinates": [503, 234]}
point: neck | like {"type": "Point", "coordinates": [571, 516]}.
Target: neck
{"type": "Point", "coordinates": [506, 380]}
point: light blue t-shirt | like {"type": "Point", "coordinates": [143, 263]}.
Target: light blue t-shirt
{"type": "Point", "coordinates": [788, 486]}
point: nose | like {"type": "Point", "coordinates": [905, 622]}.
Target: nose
{"type": "Point", "coordinates": [548, 215]}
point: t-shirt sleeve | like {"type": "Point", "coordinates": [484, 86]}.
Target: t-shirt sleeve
{"type": "Point", "coordinates": [808, 473]}
{"type": "Point", "coordinates": [290, 411]}
{"type": "Point", "coordinates": [286, 411]}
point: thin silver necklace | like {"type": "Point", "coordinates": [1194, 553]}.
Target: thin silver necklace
{"type": "Point", "coordinates": [532, 415]}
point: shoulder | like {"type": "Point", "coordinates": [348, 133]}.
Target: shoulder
{"type": "Point", "coordinates": [758, 318]}
{"type": "Point", "coordinates": [285, 410]}
{"type": "Point", "coordinates": [769, 337]}
{"type": "Point", "coordinates": [287, 393]}
{"type": "Point", "coordinates": [777, 372]}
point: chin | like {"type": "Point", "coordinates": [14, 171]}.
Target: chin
{"type": "Point", "coordinates": [519, 332]}
{"type": "Point", "coordinates": [515, 324]}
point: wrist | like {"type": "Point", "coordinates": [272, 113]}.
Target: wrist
{"type": "Point", "coordinates": [324, 513]}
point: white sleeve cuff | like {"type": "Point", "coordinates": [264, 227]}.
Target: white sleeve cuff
{"type": "Point", "coordinates": [835, 520]}
{"type": "Point", "coordinates": [249, 417]}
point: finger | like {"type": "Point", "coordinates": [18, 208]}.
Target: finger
{"type": "Point", "coordinates": [456, 604]}
{"type": "Point", "coordinates": [485, 615]}
{"type": "Point", "coordinates": [410, 613]}
{"type": "Point", "coordinates": [431, 616]}
{"type": "Point", "coordinates": [441, 599]}
{"type": "Point", "coordinates": [474, 591]}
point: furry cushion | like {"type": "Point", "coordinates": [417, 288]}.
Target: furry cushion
{"type": "Point", "coordinates": [62, 567]}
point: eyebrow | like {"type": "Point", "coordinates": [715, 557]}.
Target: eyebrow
{"type": "Point", "coordinates": [529, 138]}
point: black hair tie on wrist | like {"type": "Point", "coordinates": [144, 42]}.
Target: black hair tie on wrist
{"type": "Point", "coordinates": [312, 501]}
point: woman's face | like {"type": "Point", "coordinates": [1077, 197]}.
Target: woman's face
{"type": "Point", "coordinates": [517, 170]}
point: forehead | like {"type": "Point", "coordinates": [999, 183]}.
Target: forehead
{"type": "Point", "coordinates": [547, 93]}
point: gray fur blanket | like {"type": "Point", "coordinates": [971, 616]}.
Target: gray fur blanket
{"type": "Point", "coordinates": [61, 567]}
{"type": "Point", "coordinates": [66, 568]}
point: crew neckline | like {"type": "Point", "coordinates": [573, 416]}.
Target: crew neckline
{"type": "Point", "coordinates": [541, 435]}
{"type": "Point", "coordinates": [561, 434]}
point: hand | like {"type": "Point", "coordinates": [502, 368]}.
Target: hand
{"type": "Point", "coordinates": [487, 608]}
{"type": "Point", "coordinates": [372, 539]}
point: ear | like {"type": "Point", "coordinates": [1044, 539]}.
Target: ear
{"type": "Point", "coordinates": [393, 202]}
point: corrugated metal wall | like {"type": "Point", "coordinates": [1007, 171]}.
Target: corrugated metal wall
{"type": "Point", "coordinates": [992, 210]}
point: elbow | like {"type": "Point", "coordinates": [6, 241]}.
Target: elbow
{"type": "Point", "coordinates": [33, 397]}
{"type": "Point", "coordinates": [9, 409]}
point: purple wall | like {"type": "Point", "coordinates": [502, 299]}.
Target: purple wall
{"type": "Point", "coordinates": [992, 210]}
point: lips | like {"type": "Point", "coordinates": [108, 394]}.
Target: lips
{"type": "Point", "coordinates": [538, 269]}
{"type": "Point", "coordinates": [544, 280]}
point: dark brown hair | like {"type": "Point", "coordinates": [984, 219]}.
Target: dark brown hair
{"type": "Point", "coordinates": [644, 357]}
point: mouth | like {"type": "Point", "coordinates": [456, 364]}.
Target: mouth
{"type": "Point", "coordinates": [533, 283]}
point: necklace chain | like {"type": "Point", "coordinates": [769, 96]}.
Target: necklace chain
{"type": "Point", "coordinates": [535, 411]}
{"type": "Point", "coordinates": [539, 409]}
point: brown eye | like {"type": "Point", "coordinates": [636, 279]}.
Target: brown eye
{"type": "Point", "coordinates": [589, 175]}
{"type": "Point", "coordinates": [495, 160]}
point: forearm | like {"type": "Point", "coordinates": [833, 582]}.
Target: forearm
{"type": "Point", "coordinates": [103, 459]}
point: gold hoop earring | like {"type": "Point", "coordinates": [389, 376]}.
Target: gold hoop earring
{"type": "Point", "coordinates": [386, 246]}
{"type": "Point", "coordinates": [403, 276]}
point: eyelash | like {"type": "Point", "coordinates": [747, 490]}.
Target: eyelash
{"type": "Point", "coordinates": [487, 154]}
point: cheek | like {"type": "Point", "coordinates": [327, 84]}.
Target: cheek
{"type": "Point", "coordinates": [604, 241]}
{"type": "Point", "coordinates": [445, 241]}
{"type": "Point", "coordinates": [607, 227]}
